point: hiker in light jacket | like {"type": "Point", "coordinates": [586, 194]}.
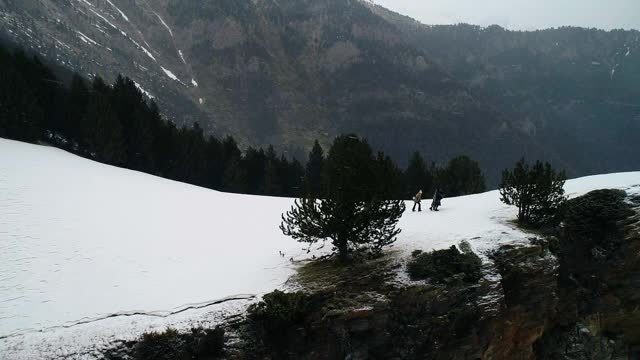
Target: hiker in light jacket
{"type": "Point", "coordinates": [416, 201]}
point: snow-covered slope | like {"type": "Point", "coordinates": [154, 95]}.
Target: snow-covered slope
{"type": "Point", "coordinates": [81, 241]}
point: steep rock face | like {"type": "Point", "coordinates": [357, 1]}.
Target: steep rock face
{"type": "Point", "coordinates": [529, 281]}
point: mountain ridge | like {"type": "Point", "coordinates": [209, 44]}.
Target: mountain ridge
{"type": "Point", "coordinates": [289, 72]}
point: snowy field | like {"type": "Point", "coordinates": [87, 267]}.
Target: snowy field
{"type": "Point", "coordinates": [91, 253]}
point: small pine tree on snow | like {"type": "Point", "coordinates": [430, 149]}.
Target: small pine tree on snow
{"type": "Point", "coordinates": [537, 191]}
{"type": "Point", "coordinates": [351, 214]}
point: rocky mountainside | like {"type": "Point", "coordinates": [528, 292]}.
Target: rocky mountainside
{"type": "Point", "coordinates": [573, 90]}
{"type": "Point", "coordinates": [287, 72]}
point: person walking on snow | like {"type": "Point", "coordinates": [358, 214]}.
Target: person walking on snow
{"type": "Point", "coordinates": [437, 197]}
{"type": "Point", "coordinates": [416, 201]}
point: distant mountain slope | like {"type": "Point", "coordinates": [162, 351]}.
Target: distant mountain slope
{"type": "Point", "coordinates": [575, 91]}
{"type": "Point", "coordinates": [289, 71]}
{"type": "Point", "coordinates": [283, 72]}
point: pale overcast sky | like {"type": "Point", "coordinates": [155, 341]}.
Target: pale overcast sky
{"type": "Point", "coordinates": [522, 14]}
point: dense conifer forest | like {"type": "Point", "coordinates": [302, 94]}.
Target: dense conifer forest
{"type": "Point", "coordinates": [117, 125]}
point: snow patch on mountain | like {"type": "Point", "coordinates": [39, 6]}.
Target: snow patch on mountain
{"type": "Point", "coordinates": [87, 39]}
{"type": "Point", "coordinates": [182, 56]}
{"type": "Point", "coordinates": [61, 43]}
{"type": "Point", "coordinates": [171, 75]}
{"type": "Point", "coordinates": [194, 82]}
{"type": "Point", "coordinates": [147, 52]}
{"type": "Point", "coordinates": [165, 24]}
{"type": "Point", "coordinates": [120, 11]}
{"type": "Point", "coordinates": [144, 91]}
{"type": "Point", "coordinates": [103, 18]}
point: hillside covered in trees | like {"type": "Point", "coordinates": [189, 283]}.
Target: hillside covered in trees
{"type": "Point", "coordinates": [115, 124]}
{"type": "Point", "coordinates": [290, 72]}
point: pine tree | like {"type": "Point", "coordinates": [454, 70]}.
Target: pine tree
{"type": "Point", "coordinates": [255, 164]}
{"type": "Point", "coordinates": [214, 163]}
{"type": "Point", "coordinates": [235, 177]}
{"type": "Point", "coordinates": [20, 114]}
{"type": "Point", "coordinates": [313, 171]}
{"type": "Point", "coordinates": [351, 213]}
{"type": "Point", "coordinates": [418, 177]}
{"type": "Point", "coordinates": [462, 176]}
{"type": "Point", "coordinates": [133, 114]}
{"type": "Point", "coordinates": [76, 109]}
{"type": "Point", "coordinates": [537, 191]}
{"type": "Point", "coordinates": [272, 181]}
{"type": "Point", "coordinates": [44, 86]}
{"type": "Point", "coordinates": [272, 184]}
{"type": "Point", "coordinates": [103, 132]}
{"type": "Point", "coordinates": [294, 179]}
{"type": "Point", "coordinates": [166, 149]}
{"type": "Point", "coordinates": [390, 185]}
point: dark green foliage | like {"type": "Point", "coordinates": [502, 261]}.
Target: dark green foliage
{"type": "Point", "coordinates": [20, 116]}
{"type": "Point", "coordinates": [172, 345]}
{"type": "Point", "coordinates": [353, 213]}
{"type": "Point", "coordinates": [443, 265]}
{"type": "Point", "coordinates": [117, 126]}
{"type": "Point", "coordinates": [206, 343]}
{"type": "Point", "coordinates": [390, 182]}
{"type": "Point", "coordinates": [159, 346]}
{"type": "Point", "coordinates": [418, 175]}
{"type": "Point", "coordinates": [461, 176]}
{"type": "Point", "coordinates": [537, 192]}
{"type": "Point", "coordinates": [278, 310]}
{"type": "Point", "coordinates": [313, 171]}
{"type": "Point", "coordinates": [599, 261]}
{"type": "Point", "coordinates": [273, 318]}
{"type": "Point", "coordinates": [594, 215]}
{"type": "Point", "coordinates": [76, 107]}
{"type": "Point", "coordinates": [272, 167]}
{"type": "Point", "coordinates": [590, 224]}
{"type": "Point", "coordinates": [428, 323]}
{"type": "Point", "coordinates": [103, 137]}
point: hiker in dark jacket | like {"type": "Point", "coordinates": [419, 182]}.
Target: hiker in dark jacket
{"type": "Point", "coordinates": [437, 197]}
{"type": "Point", "coordinates": [416, 201]}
